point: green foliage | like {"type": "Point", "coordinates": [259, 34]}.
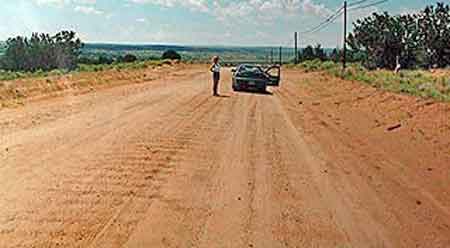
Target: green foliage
{"type": "Point", "coordinates": [128, 58]}
{"type": "Point", "coordinates": [120, 66]}
{"type": "Point", "coordinates": [414, 82]}
{"type": "Point", "coordinates": [2, 48]}
{"type": "Point", "coordinates": [12, 75]}
{"type": "Point", "coordinates": [335, 55]}
{"type": "Point", "coordinates": [319, 53]}
{"type": "Point", "coordinates": [414, 40]}
{"type": "Point", "coordinates": [41, 52]}
{"type": "Point", "coordinates": [189, 54]}
{"type": "Point", "coordinates": [307, 53]}
{"type": "Point", "coordinates": [171, 54]}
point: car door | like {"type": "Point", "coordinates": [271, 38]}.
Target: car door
{"type": "Point", "coordinates": [274, 74]}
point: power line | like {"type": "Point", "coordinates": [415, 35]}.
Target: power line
{"type": "Point", "coordinates": [327, 20]}
{"type": "Point", "coordinates": [368, 5]}
{"type": "Point", "coordinates": [327, 24]}
{"type": "Point", "coordinates": [344, 61]}
{"type": "Point", "coordinates": [357, 3]}
{"type": "Point", "coordinates": [330, 19]}
{"type": "Point", "coordinates": [360, 4]}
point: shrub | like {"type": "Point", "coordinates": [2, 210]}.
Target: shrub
{"type": "Point", "coordinates": [42, 52]}
{"type": "Point", "coordinates": [128, 58]}
{"type": "Point", "coordinates": [414, 82]}
{"type": "Point", "coordinates": [171, 54]}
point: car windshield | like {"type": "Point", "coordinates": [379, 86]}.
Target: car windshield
{"type": "Point", "coordinates": [250, 70]}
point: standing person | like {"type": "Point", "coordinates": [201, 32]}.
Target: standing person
{"type": "Point", "coordinates": [215, 69]}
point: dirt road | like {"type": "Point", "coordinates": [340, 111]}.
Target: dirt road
{"type": "Point", "coordinates": [164, 164]}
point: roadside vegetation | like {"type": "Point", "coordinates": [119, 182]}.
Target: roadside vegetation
{"type": "Point", "coordinates": [419, 82]}
{"type": "Point", "coordinates": [43, 55]}
{"type": "Point", "coordinates": [385, 41]}
{"type": "Point", "coordinates": [12, 75]}
{"type": "Point", "coordinates": [408, 53]}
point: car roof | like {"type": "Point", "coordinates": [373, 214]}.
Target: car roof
{"type": "Point", "coordinates": [249, 66]}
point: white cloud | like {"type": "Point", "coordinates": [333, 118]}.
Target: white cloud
{"type": "Point", "coordinates": [88, 10]}
{"type": "Point", "coordinates": [196, 5]}
{"type": "Point", "coordinates": [85, 1]}
{"type": "Point", "coordinates": [267, 10]}
{"type": "Point", "coordinates": [82, 6]}
{"type": "Point", "coordinates": [256, 10]}
{"type": "Point", "coordinates": [63, 2]}
{"type": "Point", "coordinates": [317, 9]}
{"type": "Point", "coordinates": [141, 20]}
{"type": "Point", "coordinates": [50, 2]}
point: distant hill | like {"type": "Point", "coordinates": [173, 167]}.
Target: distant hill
{"type": "Point", "coordinates": [201, 53]}
{"type": "Point", "coordinates": [130, 47]}
{"type": "Point", "coordinates": [188, 52]}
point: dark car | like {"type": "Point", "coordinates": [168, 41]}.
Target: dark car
{"type": "Point", "coordinates": [248, 77]}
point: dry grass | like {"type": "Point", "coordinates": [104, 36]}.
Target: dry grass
{"type": "Point", "coordinates": [16, 92]}
{"type": "Point", "coordinates": [422, 83]}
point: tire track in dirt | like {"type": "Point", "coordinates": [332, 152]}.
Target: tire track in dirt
{"type": "Point", "coordinates": [300, 215]}
{"type": "Point", "coordinates": [100, 130]}
{"type": "Point", "coordinates": [250, 199]}
{"type": "Point", "coordinates": [383, 178]}
{"type": "Point", "coordinates": [172, 166]}
{"type": "Point", "coordinates": [171, 148]}
{"type": "Point", "coordinates": [97, 171]}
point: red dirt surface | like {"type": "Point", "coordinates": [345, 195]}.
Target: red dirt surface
{"type": "Point", "coordinates": [318, 162]}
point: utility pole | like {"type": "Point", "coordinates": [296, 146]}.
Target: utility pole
{"type": "Point", "coordinates": [271, 56]}
{"type": "Point", "coordinates": [344, 61]}
{"type": "Point", "coordinates": [295, 48]}
{"type": "Point", "coordinates": [281, 58]}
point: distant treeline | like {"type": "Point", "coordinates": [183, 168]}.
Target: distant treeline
{"type": "Point", "coordinates": [100, 58]}
{"type": "Point", "coordinates": [414, 40]}
{"type": "Point", "coordinates": [162, 48]}
{"type": "Point", "coordinates": [41, 52]}
{"type": "Point", "coordinates": [318, 52]}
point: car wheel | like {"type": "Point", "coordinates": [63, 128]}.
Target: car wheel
{"type": "Point", "coordinates": [263, 89]}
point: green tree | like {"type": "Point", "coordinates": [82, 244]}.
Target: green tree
{"type": "Point", "coordinates": [421, 39]}
{"type": "Point", "coordinates": [171, 54]}
{"type": "Point", "coordinates": [434, 28]}
{"type": "Point", "coordinates": [308, 53]}
{"type": "Point", "coordinates": [42, 52]}
{"type": "Point", "coordinates": [128, 58]}
{"type": "Point", "coordinates": [66, 50]}
{"type": "Point", "coordinates": [104, 60]}
{"type": "Point", "coordinates": [335, 55]}
{"type": "Point", "coordinates": [380, 36]}
{"type": "Point", "coordinates": [319, 53]}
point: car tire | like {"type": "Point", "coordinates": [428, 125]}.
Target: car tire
{"type": "Point", "coordinates": [263, 89]}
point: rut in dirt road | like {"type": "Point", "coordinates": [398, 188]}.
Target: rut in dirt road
{"type": "Point", "coordinates": [164, 164]}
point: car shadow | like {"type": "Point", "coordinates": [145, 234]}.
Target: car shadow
{"type": "Point", "coordinates": [256, 92]}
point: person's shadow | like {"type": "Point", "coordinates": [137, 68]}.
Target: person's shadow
{"type": "Point", "coordinates": [223, 96]}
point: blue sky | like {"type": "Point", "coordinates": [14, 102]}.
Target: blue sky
{"type": "Point", "coordinates": [187, 22]}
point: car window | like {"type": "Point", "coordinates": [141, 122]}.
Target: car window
{"type": "Point", "coordinates": [250, 69]}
